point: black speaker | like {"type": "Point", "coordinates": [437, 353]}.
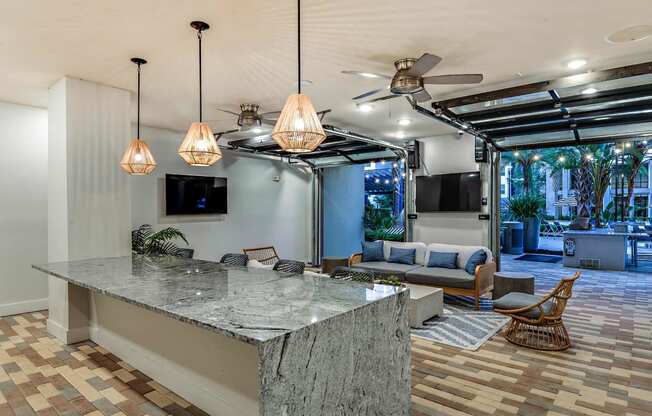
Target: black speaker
{"type": "Point", "coordinates": [481, 151]}
{"type": "Point", "coordinates": [414, 154]}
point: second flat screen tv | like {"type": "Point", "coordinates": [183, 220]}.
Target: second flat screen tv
{"type": "Point", "coordinates": [188, 195]}
{"type": "Point", "coordinates": [453, 192]}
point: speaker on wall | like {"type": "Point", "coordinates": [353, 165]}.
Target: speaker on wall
{"type": "Point", "coordinates": [481, 151]}
{"type": "Point", "coordinates": [414, 154]}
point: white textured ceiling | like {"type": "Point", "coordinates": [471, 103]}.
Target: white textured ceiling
{"type": "Point", "coordinates": [250, 50]}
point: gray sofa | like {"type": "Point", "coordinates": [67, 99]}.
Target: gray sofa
{"type": "Point", "coordinates": [452, 281]}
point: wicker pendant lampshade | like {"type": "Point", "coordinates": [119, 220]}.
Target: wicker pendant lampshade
{"type": "Point", "coordinates": [298, 129]}
{"type": "Point", "coordinates": [138, 159]}
{"type": "Point", "coordinates": [199, 148]}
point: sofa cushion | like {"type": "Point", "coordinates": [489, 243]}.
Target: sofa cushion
{"type": "Point", "coordinates": [516, 300]}
{"type": "Point", "coordinates": [441, 277]}
{"type": "Point", "coordinates": [372, 251]}
{"type": "Point", "coordinates": [476, 259]}
{"type": "Point", "coordinates": [464, 252]}
{"type": "Point", "coordinates": [402, 255]}
{"type": "Point", "coordinates": [419, 247]}
{"type": "Point", "coordinates": [445, 260]}
{"type": "Point", "coordinates": [385, 268]}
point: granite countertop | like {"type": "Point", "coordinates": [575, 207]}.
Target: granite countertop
{"type": "Point", "coordinates": [250, 304]}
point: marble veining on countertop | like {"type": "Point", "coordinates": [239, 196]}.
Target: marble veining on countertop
{"type": "Point", "coordinates": [251, 304]}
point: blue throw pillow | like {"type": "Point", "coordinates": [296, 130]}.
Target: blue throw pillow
{"type": "Point", "coordinates": [476, 259]}
{"type": "Point", "coordinates": [439, 259]}
{"type": "Point", "coordinates": [402, 255]}
{"type": "Point", "coordinates": [372, 251]}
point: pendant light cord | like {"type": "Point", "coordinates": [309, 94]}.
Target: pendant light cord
{"type": "Point", "coordinates": [299, 45]}
{"type": "Point", "coordinates": [200, 80]}
{"type": "Point", "coordinates": [138, 111]}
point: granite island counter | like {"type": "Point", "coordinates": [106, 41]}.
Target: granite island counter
{"type": "Point", "coordinates": [244, 341]}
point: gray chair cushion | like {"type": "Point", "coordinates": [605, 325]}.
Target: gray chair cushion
{"type": "Point", "coordinates": [516, 300]}
{"type": "Point", "coordinates": [441, 277]}
{"type": "Point", "coordinates": [387, 269]}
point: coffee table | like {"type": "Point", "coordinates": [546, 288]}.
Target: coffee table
{"type": "Point", "coordinates": [425, 302]}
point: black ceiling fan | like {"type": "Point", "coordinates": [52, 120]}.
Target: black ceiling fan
{"type": "Point", "coordinates": [409, 79]}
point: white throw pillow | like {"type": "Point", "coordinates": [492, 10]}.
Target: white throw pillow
{"type": "Point", "coordinates": [258, 265]}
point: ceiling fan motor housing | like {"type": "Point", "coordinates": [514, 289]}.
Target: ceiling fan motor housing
{"type": "Point", "coordinates": [249, 115]}
{"type": "Point", "coordinates": [403, 82]}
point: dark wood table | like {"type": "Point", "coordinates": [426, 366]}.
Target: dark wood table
{"type": "Point", "coordinates": [507, 282]}
{"type": "Point", "coordinates": [329, 263]}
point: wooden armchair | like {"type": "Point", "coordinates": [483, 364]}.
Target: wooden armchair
{"type": "Point", "coordinates": [265, 255]}
{"type": "Point", "coordinates": [539, 325]}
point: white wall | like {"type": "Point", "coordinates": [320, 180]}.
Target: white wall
{"type": "Point", "coordinates": [23, 208]}
{"type": "Point", "coordinates": [260, 211]}
{"type": "Point", "coordinates": [452, 154]}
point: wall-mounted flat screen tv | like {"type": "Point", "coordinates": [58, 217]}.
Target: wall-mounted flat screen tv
{"type": "Point", "coordinates": [189, 195]}
{"type": "Point", "coordinates": [453, 192]}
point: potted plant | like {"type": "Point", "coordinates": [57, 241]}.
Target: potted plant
{"type": "Point", "coordinates": [527, 209]}
{"type": "Point", "coordinates": [147, 242]}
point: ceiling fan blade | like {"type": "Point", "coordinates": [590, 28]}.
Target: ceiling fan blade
{"type": "Point", "coordinates": [228, 111]}
{"type": "Point", "coordinates": [424, 64]}
{"type": "Point", "coordinates": [368, 93]}
{"type": "Point", "coordinates": [222, 133]}
{"type": "Point", "coordinates": [386, 97]}
{"type": "Point", "coordinates": [271, 114]}
{"type": "Point", "coordinates": [453, 79]}
{"type": "Point", "coordinates": [422, 96]}
{"type": "Point", "coordinates": [367, 74]}
{"type": "Point", "coordinates": [268, 122]}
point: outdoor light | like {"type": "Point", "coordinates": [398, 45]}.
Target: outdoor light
{"type": "Point", "coordinates": [377, 180]}
{"type": "Point", "coordinates": [516, 154]}
{"type": "Point", "coordinates": [589, 91]}
{"type": "Point", "coordinates": [365, 108]}
{"type": "Point", "coordinates": [298, 129]}
{"type": "Point", "coordinates": [618, 150]}
{"type": "Point", "coordinates": [576, 63]}
{"type": "Point", "coordinates": [403, 174]}
{"type": "Point", "coordinates": [395, 165]}
{"type": "Point", "coordinates": [562, 159]}
{"type": "Point", "coordinates": [589, 156]}
{"type": "Point", "coordinates": [404, 122]}
{"type": "Point", "coordinates": [644, 142]}
{"type": "Point", "coordinates": [536, 157]}
{"type": "Point", "coordinates": [395, 180]}
{"type": "Point", "coordinates": [628, 145]}
{"type": "Point", "coordinates": [199, 147]}
{"type": "Point", "coordinates": [137, 159]}
{"type": "Point", "coordinates": [386, 181]}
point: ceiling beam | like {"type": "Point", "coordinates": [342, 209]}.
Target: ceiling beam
{"type": "Point", "coordinates": [565, 82]}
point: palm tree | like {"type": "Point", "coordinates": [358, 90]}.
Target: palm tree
{"type": "Point", "coordinates": [602, 160]}
{"type": "Point", "coordinates": [577, 160]}
{"type": "Point", "coordinates": [635, 156]}
{"type": "Point", "coordinates": [527, 161]}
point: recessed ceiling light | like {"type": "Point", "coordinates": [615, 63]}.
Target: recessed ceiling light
{"type": "Point", "coordinates": [368, 75]}
{"type": "Point", "coordinates": [365, 108]}
{"type": "Point", "coordinates": [404, 122]}
{"type": "Point", "coordinates": [589, 91]}
{"type": "Point", "coordinates": [630, 34]}
{"type": "Point", "coordinates": [576, 63]}
{"type": "Point", "coordinates": [400, 135]}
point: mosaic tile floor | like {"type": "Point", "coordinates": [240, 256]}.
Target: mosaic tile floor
{"type": "Point", "coordinates": [608, 371]}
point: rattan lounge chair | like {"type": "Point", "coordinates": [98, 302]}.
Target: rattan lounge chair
{"type": "Point", "coordinates": [537, 320]}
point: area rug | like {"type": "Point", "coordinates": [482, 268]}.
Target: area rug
{"type": "Point", "coordinates": [539, 258]}
{"type": "Point", "coordinates": [461, 325]}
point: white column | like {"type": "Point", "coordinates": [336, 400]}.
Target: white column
{"type": "Point", "coordinates": [565, 189]}
{"type": "Point", "coordinates": [551, 193]}
{"type": "Point", "coordinates": [88, 195]}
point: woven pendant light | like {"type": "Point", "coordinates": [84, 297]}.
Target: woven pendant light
{"type": "Point", "coordinates": [199, 147]}
{"type": "Point", "coordinates": [138, 159]}
{"type": "Point", "coordinates": [298, 129]}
